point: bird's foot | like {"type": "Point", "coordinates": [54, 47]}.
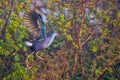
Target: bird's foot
{"type": "Point", "coordinates": [39, 57]}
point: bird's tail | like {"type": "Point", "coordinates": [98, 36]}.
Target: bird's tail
{"type": "Point", "coordinates": [28, 43]}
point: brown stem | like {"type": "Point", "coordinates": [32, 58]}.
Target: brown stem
{"type": "Point", "coordinates": [79, 48]}
{"type": "Point", "coordinates": [107, 67]}
{"type": "Point", "coordinates": [93, 69]}
{"type": "Point", "coordinates": [39, 56]}
{"type": "Point", "coordinates": [5, 25]}
{"type": "Point", "coordinates": [75, 64]}
{"type": "Point", "coordinates": [88, 38]}
{"type": "Point", "coordinates": [115, 72]}
{"type": "Point", "coordinates": [26, 61]}
{"type": "Point", "coordinates": [79, 43]}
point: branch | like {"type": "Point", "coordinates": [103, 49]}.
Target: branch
{"type": "Point", "coordinates": [26, 61]}
{"type": "Point", "coordinates": [80, 48]}
{"type": "Point", "coordinates": [88, 38]}
{"type": "Point", "coordinates": [93, 69]}
{"type": "Point", "coordinates": [5, 25]}
{"type": "Point", "coordinates": [116, 72]}
{"type": "Point", "coordinates": [107, 67]}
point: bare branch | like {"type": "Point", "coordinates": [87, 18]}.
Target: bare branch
{"type": "Point", "coordinates": [5, 25]}
{"type": "Point", "coordinates": [107, 67]}
{"type": "Point", "coordinates": [88, 38]}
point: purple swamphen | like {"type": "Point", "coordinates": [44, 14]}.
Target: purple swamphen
{"type": "Point", "coordinates": [42, 44]}
{"type": "Point", "coordinates": [37, 30]}
{"type": "Point", "coordinates": [35, 24]}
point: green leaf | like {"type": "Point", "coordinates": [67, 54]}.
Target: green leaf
{"type": "Point", "coordinates": [16, 58]}
{"type": "Point", "coordinates": [97, 71]}
{"type": "Point", "coordinates": [1, 12]}
{"type": "Point", "coordinates": [69, 38]}
{"type": "Point", "coordinates": [107, 18]}
{"type": "Point", "coordinates": [1, 22]}
{"type": "Point", "coordinates": [94, 49]}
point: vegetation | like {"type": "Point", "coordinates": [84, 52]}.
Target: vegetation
{"type": "Point", "coordinates": [88, 47]}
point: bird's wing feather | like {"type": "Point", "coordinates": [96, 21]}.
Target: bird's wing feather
{"type": "Point", "coordinates": [30, 19]}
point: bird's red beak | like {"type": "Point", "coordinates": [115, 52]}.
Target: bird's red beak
{"type": "Point", "coordinates": [58, 34]}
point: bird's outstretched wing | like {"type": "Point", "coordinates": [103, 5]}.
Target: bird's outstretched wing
{"type": "Point", "coordinates": [32, 20]}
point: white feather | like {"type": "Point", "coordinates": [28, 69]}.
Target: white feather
{"type": "Point", "coordinates": [44, 19]}
{"type": "Point", "coordinates": [28, 43]}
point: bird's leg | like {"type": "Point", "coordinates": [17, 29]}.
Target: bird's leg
{"type": "Point", "coordinates": [39, 56]}
{"type": "Point", "coordinates": [26, 61]}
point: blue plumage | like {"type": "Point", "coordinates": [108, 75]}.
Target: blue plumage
{"type": "Point", "coordinates": [43, 30]}
{"type": "Point", "coordinates": [37, 29]}
{"type": "Point", "coordinates": [43, 44]}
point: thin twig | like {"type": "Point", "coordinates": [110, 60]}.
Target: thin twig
{"type": "Point", "coordinates": [39, 56]}
{"type": "Point", "coordinates": [107, 67]}
{"type": "Point", "coordinates": [93, 69]}
{"type": "Point", "coordinates": [5, 25]}
{"type": "Point", "coordinates": [88, 38]}
{"type": "Point", "coordinates": [26, 61]}
{"type": "Point", "coordinates": [56, 76]}
{"type": "Point", "coordinates": [80, 47]}
{"type": "Point", "coordinates": [115, 72]}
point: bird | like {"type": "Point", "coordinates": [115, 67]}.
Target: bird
{"type": "Point", "coordinates": [38, 39]}
{"type": "Point", "coordinates": [42, 44]}
{"type": "Point", "coordinates": [36, 26]}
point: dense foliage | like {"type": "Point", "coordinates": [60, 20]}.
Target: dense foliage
{"type": "Point", "coordinates": [88, 47]}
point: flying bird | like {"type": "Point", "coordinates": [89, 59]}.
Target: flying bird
{"type": "Point", "coordinates": [39, 40]}
{"type": "Point", "coordinates": [37, 31]}
{"type": "Point", "coordinates": [42, 44]}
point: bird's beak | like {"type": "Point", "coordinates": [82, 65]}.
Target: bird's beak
{"type": "Point", "coordinates": [58, 35]}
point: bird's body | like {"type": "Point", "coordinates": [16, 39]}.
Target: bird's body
{"type": "Point", "coordinates": [42, 44]}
